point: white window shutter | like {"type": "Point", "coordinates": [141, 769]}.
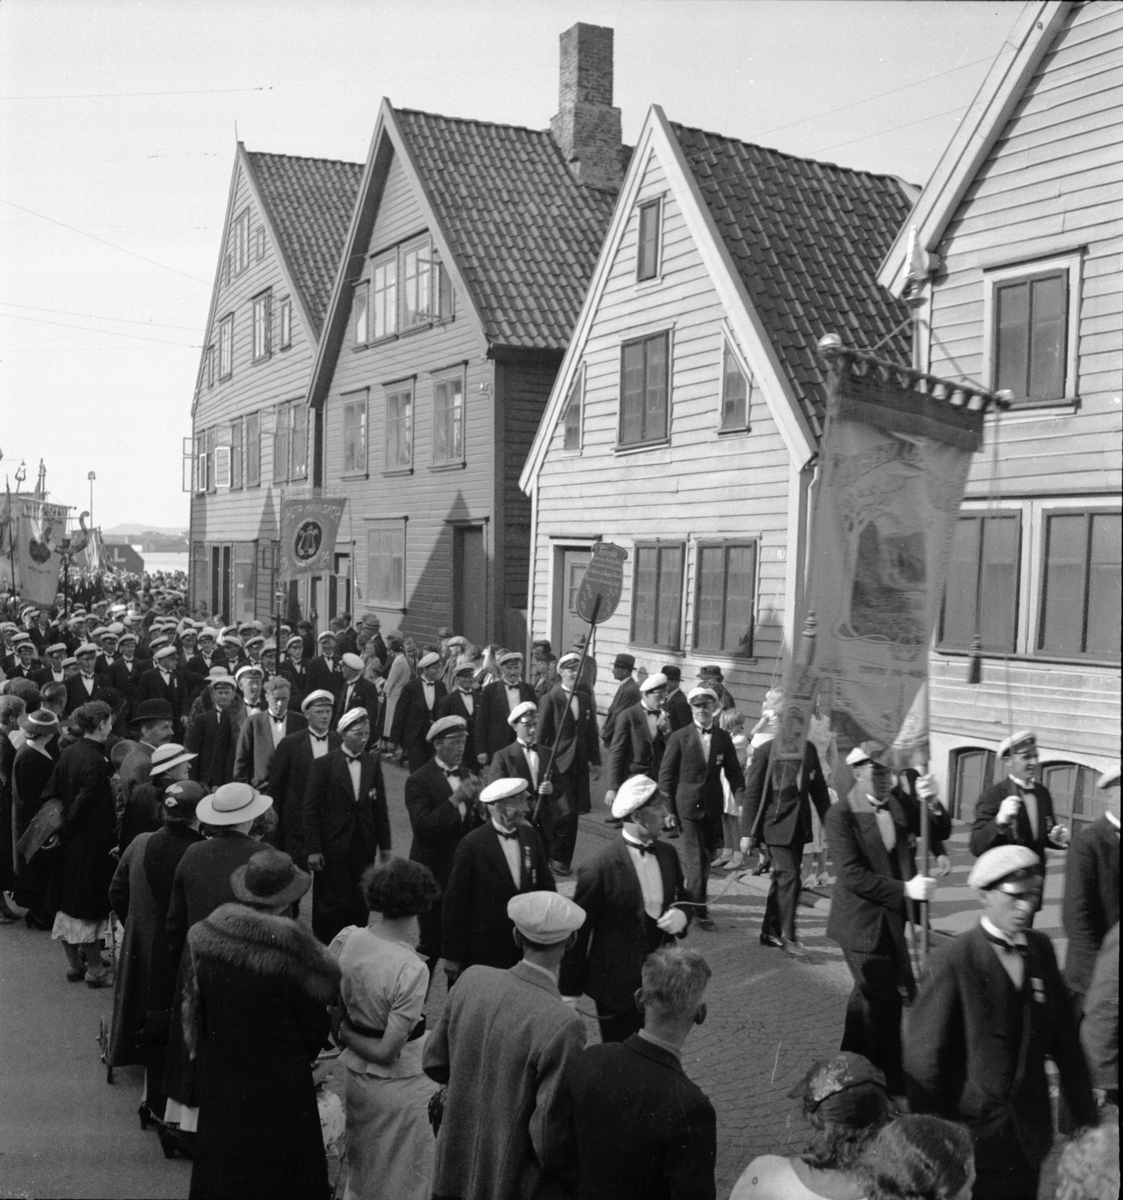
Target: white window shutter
{"type": "Point", "coordinates": [222, 466]}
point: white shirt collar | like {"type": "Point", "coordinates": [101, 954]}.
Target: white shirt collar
{"type": "Point", "coordinates": [1015, 939]}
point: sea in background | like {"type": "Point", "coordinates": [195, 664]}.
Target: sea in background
{"type": "Point", "coordinates": [166, 562]}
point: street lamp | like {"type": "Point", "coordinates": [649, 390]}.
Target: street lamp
{"type": "Point", "coordinates": [91, 477]}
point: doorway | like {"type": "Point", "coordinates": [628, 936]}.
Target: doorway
{"type": "Point", "coordinates": [569, 569]}
{"type": "Point", "coordinates": [469, 583]}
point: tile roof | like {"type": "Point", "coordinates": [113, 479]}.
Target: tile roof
{"type": "Point", "coordinates": [524, 232]}
{"type": "Point", "coordinates": [807, 239]}
{"type": "Point", "coordinates": [310, 201]}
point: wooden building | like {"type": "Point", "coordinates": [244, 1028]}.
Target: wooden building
{"type": "Point", "coordinates": [1022, 223]}
{"type": "Point", "coordinates": [685, 419]}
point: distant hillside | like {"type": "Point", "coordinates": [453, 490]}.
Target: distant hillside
{"type": "Point", "coordinates": [135, 528]}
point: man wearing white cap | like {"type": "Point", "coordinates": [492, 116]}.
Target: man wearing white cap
{"type": "Point", "coordinates": [353, 691]}
{"type": "Point", "coordinates": [525, 758]}
{"type": "Point", "coordinates": [1017, 811]}
{"type": "Point", "coordinates": [987, 1016]}
{"type": "Point", "coordinates": [126, 670]}
{"type": "Point", "coordinates": [417, 709]}
{"type": "Point", "coordinates": [210, 734]}
{"type": "Point", "coordinates": [51, 671]}
{"type": "Point", "coordinates": [294, 668]}
{"type": "Point", "coordinates": [165, 682]}
{"type": "Point", "coordinates": [80, 688]}
{"type": "Point", "coordinates": [629, 892]}
{"type": "Point", "coordinates": [508, 1036]}
{"type": "Point", "coordinates": [869, 835]}
{"type": "Point", "coordinates": [262, 732]}
{"type": "Point", "coordinates": [291, 765]}
{"type": "Point", "coordinates": [501, 859]}
{"type": "Point", "coordinates": [346, 826]}
{"type": "Point", "coordinates": [323, 670]}
{"type": "Point", "coordinates": [497, 701]}
{"type": "Point", "coordinates": [463, 702]}
{"type": "Point", "coordinates": [639, 738]}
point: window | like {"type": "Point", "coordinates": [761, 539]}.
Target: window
{"type": "Point", "coordinates": [572, 421]}
{"type": "Point", "coordinates": [448, 421]}
{"type": "Point", "coordinates": [286, 323]}
{"type": "Point", "coordinates": [212, 442]}
{"type": "Point", "coordinates": [657, 595]}
{"type": "Point", "coordinates": [253, 450]}
{"type": "Point", "coordinates": [355, 434]}
{"type": "Point", "coordinates": [222, 466]}
{"type": "Point", "coordinates": [226, 270]}
{"type": "Point", "coordinates": [982, 583]}
{"type": "Point", "coordinates": [972, 773]}
{"type": "Point", "coordinates": [399, 429]}
{"type": "Point", "coordinates": [734, 394]}
{"type": "Point", "coordinates": [236, 453]}
{"type": "Point", "coordinates": [1074, 793]}
{"type": "Point", "coordinates": [647, 251]}
{"type": "Point", "coordinates": [282, 434]}
{"type": "Point", "coordinates": [259, 243]}
{"type": "Point", "coordinates": [726, 588]}
{"type": "Point", "coordinates": [386, 556]}
{"type": "Point", "coordinates": [262, 326]}
{"type": "Point", "coordinates": [417, 285]}
{"type": "Point", "coordinates": [386, 297]}
{"type": "Point", "coordinates": [242, 241]}
{"type": "Point", "coordinates": [209, 366]}
{"type": "Point", "coordinates": [643, 390]}
{"type": "Point", "coordinates": [1080, 611]}
{"type": "Point", "coordinates": [361, 307]}
{"type": "Point", "coordinates": [298, 447]}
{"type": "Point", "coordinates": [200, 480]}
{"type": "Point", "coordinates": [226, 347]}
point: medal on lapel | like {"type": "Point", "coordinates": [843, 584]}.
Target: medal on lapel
{"type": "Point", "coordinates": [1038, 990]}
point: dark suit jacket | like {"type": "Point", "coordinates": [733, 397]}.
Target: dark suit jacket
{"type": "Point", "coordinates": [453, 706]}
{"type": "Point", "coordinates": [644, 1130]}
{"type": "Point", "coordinates": [1091, 898]}
{"type": "Point", "coordinates": [627, 694]}
{"type": "Point", "coordinates": [332, 813]}
{"type": "Point", "coordinates": [288, 784]}
{"type": "Point", "coordinates": [412, 718]}
{"type": "Point", "coordinates": [986, 832]}
{"type": "Point", "coordinates": [126, 680]}
{"type": "Point", "coordinates": [322, 673]}
{"type": "Point", "coordinates": [678, 710]}
{"type": "Point", "coordinates": [510, 763]}
{"type": "Point", "coordinates": [76, 694]}
{"type": "Point", "coordinates": [437, 825]}
{"type": "Point", "coordinates": [607, 959]}
{"type": "Point", "coordinates": [476, 928]}
{"type": "Point", "coordinates": [786, 820]}
{"type": "Point", "coordinates": [963, 1059]}
{"type": "Point", "coordinates": [492, 730]}
{"type": "Point", "coordinates": [297, 675]}
{"type": "Point", "coordinates": [175, 692]}
{"type": "Point", "coordinates": [578, 746]}
{"type": "Point", "coordinates": [633, 750]}
{"type": "Point", "coordinates": [212, 737]}
{"type": "Point", "coordinates": [255, 746]}
{"type": "Point", "coordinates": [691, 784]}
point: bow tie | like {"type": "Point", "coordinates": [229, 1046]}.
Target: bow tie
{"type": "Point", "coordinates": [642, 847]}
{"type": "Point", "coordinates": [1024, 788]}
{"type": "Point", "coordinates": [503, 833]}
{"type": "Point", "coordinates": [277, 720]}
{"type": "Point", "coordinates": [351, 758]}
{"type": "Point", "coordinates": [451, 772]}
{"type": "Point", "coordinates": [317, 738]}
{"type": "Point", "coordinates": [877, 805]}
{"type": "Point", "coordinates": [1009, 947]}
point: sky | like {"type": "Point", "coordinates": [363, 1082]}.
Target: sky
{"type": "Point", "coordinates": [119, 121]}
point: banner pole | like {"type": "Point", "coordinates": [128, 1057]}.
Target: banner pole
{"type": "Point", "coordinates": [924, 841]}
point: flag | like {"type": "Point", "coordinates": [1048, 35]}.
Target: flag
{"type": "Point", "coordinates": [39, 528]}
{"type": "Point", "coordinates": [895, 456]}
{"type": "Point", "coordinates": [308, 532]}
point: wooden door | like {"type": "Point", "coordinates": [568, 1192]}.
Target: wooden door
{"type": "Point", "coordinates": [567, 624]}
{"type": "Point", "coordinates": [469, 583]}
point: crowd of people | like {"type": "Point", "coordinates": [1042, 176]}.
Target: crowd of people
{"type": "Point", "coordinates": [172, 788]}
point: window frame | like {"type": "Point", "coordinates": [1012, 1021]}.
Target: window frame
{"type": "Point", "coordinates": [212, 444]}
{"type": "Point", "coordinates": [282, 438]}
{"type": "Point", "coordinates": [1070, 264]}
{"type": "Point", "coordinates": [392, 427]}
{"type": "Point", "coordinates": [439, 380]}
{"type": "Point", "coordinates": [574, 398]}
{"type": "Point", "coordinates": [377, 527]}
{"type": "Point", "coordinates": [423, 247]}
{"type": "Point", "coordinates": [360, 314]}
{"type": "Point", "coordinates": [226, 347]}
{"type": "Point", "coordinates": [298, 437]}
{"type": "Point", "coordinates": [210, 368]}
{"type": "Point", "coordinates": [646, 442]}
{"type": "Point", "coordinates": [355, 401]}
{"type": "Point", "coordinates": [725, 545]}
{"type": "Point", "coordinates": [659, 546]}
{"type": "Point", "coordinates": [241, 238]}
{"type": "Point", "coordinates": [384, 299]}
{"type": "Point", "coordinates": [284, 321]}
{"type": "Point", "coordinates": [262, 327]}
{"type": "Point", "coordinates": [729, 350]}
{"type": "Point", "coordinates": [199, 479]}
{"type": "Point", "coordinates": [259, 243]}
{"type": "Point", "coordinates": [981, 516]}
{"type": "Point", "coordinates": [237, 464]}
{"type": "Point", "coordinates": [253, 449]}
{"type": "Point", "coordinates": [649, 206]}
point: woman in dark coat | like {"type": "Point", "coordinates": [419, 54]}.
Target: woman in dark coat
{"type": "Point", "coordinates": [256, 1015]}
{"type": "Point", "coordinates": [84, 864]}
{"type": "Point", "coordinates": [34, 764]}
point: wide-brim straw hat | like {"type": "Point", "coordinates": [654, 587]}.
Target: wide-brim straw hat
{"type": "Point", "coordinates": [232, 804]}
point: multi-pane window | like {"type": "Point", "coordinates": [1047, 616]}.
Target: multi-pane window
{"type": "Point", "coordinates": [253, 450]}
{"type": "Point", "coordinates": [723, 608]}
{"type": "Point", "coordinates": [298, 443]}
{"type": "Point", "coordinates": [386, 556]}
{"type": "Point", "coordinates": [361, 310]}
{"type": "Point", "coordinates": [282, 435]}
{"type": "Point", "coordinates": [1030, 332]}
{"type": "Point", "coordinates": [417, 284]}
{"type": "Point", "coordinates": [572, 419]}
{"type": "Point", "coordinates": [355, 434]}
{"type": "Point", "coordinates": [262, 326]}
{"type": "Point", "coordinates": [448, 420]}
{"type": "Point", "coordinates": [734, 394]}
{"type": "Point", "coordinates": [236, 476]}
{"type": "Point", "coordinates": [657, 595]}
{"type": "Point", "coordinates": [643, 390]}
{"type": "Point", "coordinates": [1076, 799]}
{"type": "Point", "coordinates": [1080, 590]}
{"type": "Point", "coordinates": [385, 281]}
{"type": "Point", "coordinates": [973, 774]}
{"type": "Point", "coordinates": [226, 347]}
{"type": "Point", "coordinates": [200, 482]}
{"type": "Point", "coordinates": [982, 583]}
{"type": "Point", "coordinates": [242, 241]}
{"type": "Point", "coordinates": [286, 323]}
{"type": "Point", "coordinates": [647, 252]}
{"type": "Point", "coordinates": [209, 366]}
{"type": "Point", "coordinates": [399, 429]}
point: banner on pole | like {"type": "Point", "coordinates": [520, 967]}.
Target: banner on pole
{"type": "Point", "coordinates": [308, 532]}
{"type": "Point", "coordinates": [39, 529]}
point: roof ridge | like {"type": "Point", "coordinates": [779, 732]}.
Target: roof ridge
{"type": "Point", "coordinates": [419, 112]}
{"type": "Point", "coordinates": [343, 162]}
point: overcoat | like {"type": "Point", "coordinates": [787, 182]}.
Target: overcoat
{"type": "Point", "coordinates": [255, 746]}
{"type": "Point", "coordinates": [492, 730]}
{"type": "Point", "coordinates": [412, 719]}
{"type": "Point", "coordinates": [135, 907]}
{"type": "Point", "coordinates": [1091, 898]}
{"type": "Point", "coordinates": [31, 772]}
{"type": "Point", "coordinates": [288, 783]}
{"type": "Point", "coordinates": [505, 1044]}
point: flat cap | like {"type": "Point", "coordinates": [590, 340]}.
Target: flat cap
{"type": "Point", "coordinates": [295, 638]}
{"type": "Point", "coordinates": [545, 917]}
{"type": "Point", "coordinates": [521, 710]}
{"type": "Point", "coordinates": [352, 717]}
{"type": "Point", "coordinates": [445, 726]}
{"type": "Point", "coordinates": [165, 652]}
{"type": "Point", "coordinates": [209, 631]}
{"type": "Point", "coordinates": [1024, 739]}
{"type": "Point", "coordinates": [867, 752]}
{"type": "Point", "coordinates": [86, 648]}
{"type": "Point", "coordinates": [55, 647]}
{"type": "Point", "coordinates": [633, 794]}
{"type": "Point", "coordinates": [322, 696]}
{"type": "Point", "coordinates": [652, 682]}
{"type": "Point", "coordinates": [464, 665]}
{"type": "Point", "coordinates": [1000, 862]}
{"type": "Point", "coordinates": [220, 675]}
{"type": "Point", "coordinates": [327, 633]}
{"type": "Point", "coordinates": [503, 789]}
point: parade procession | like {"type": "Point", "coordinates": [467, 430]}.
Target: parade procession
{"type": "Point", "coordinates": [634, 708]}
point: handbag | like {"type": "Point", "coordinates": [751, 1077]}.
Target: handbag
{"type": "Point", "coordinates": [437, 1103]}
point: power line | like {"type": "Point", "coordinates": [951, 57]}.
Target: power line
{"type": "Point", "coordinates": [95, 316]}
{"type": "Point", "coordinates": [951, 112]}
{"type": "Point", "coordinates": [110, 95]}
{"type": "Point", "coordinates": [90, 329]}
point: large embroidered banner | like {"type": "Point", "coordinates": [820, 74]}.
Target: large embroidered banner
{"type": "Point", "coordinates": [308, 531]}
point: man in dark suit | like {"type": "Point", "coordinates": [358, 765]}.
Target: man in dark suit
{"type": "Point", "coordinates": [525, 758]}
{"type": "Point", "coordinates": [1091, 895]}
{"type": "Point", "coordinates": [126, 670]}
{"type": "Point", "coordinates": [675, 704]}
{"type": "Point", "coordinates": [868, 834]}
{"type": "Point", "coordinates": [262, 733]}
{"type": "Point", "coordinates": [292, 764]}
{"type": "Point", "coordinates": [643, 1128]}
{"type": "Point", "coordinates": [353, 691]}
{"type": "Point", "coordinates": [417, 708]}
{"type": "Point", "coordinates": [464, 703]}
{"type": "Point", "coordinates": [81, 686]}
{"type": "Point", "coordinates": [497, 701]}
{"type": "Point", "coordinates": [24, 665]}
{"type": "Point", "coordinates": [626, 695]}
{"type": "Point", "coordinates": [987, 1016]}
{"type": "Point", "coordinates": [501, 859]}
{"type": "Point", "coordinates": [629, 892]}
{"type": "Point", "coordinates": [690, 778]}
{"type": "Point", "coordinates": [295, 669]}
{"type": "Point", "coordinates": [639, 739]}
{"type": "Point", "coordinates": [346, 825]}
{"type": "Point", "coordinates": [1017, 811]}
{"type": "Point", "coordinates": [440, 800]}
{"type": "Point", "coordinates": [567, 718]}
{"type": "Point", "coordinates": [323, 670]}
{"type": "Point", "coordinates": [166, 682]}
{"type": "Point", "coordinates": [210, 735]}
{"type": "Point", "coordinates": [51, 671]}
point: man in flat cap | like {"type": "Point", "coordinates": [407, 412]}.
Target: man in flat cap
{"type": "Point", "coordinates": [353, 691]}
{"type": "Point", "coordinates": [507, 1035]}
{"type": "Point", "coordinates": [525, 758]}
{"type": "Point", "coordinates": [497, 701]}
{"type": "Point", "coordinates": [1017, 811]}
{"type": "Point", "coordinates": [869, 836]}
{"type": "Point", "coordinates": [126, 670]}
{"type": "Point", "coordinates": [626, 695]}
{"type": "Point", "coordinates": [501, 859]}
{"type": "Point", "coordinates": [990, 1012]}
{"type": "Point", "coordinates": [629, 892]}
{"type": "Point", "coordinates": [417, 708]}
{"type": "Point", "coordinates": [262, 733]}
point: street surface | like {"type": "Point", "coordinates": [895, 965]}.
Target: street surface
{"type": "Point", "coordinates": [65, 1132]}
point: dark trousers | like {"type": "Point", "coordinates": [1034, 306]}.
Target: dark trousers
{"type": "Point", "coordinates": [617, 1027]}
{"type": "Point", "coordinates": [1002, 1170]}
{"type": "Point", "coordinates": [557, 819]}
{"type": "Point", "coordinates": [699, 842]}
{"type": "Point", "coordinates": [873, 1013]}
{"type": "Point", "coordinates": [429, 935]}
{"type": "Point", "coordinates": [337, 900]}
{"type": "Point", "coordinates": [783, 895]}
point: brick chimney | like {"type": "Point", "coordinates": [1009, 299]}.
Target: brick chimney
{"type": "Point", "coordinates": [587, 127]}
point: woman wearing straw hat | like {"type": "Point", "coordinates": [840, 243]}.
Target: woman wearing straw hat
{"type": "Point", "coordinates": [144, 809]}
{"type": "Point", "coordinates": [258, 986]}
